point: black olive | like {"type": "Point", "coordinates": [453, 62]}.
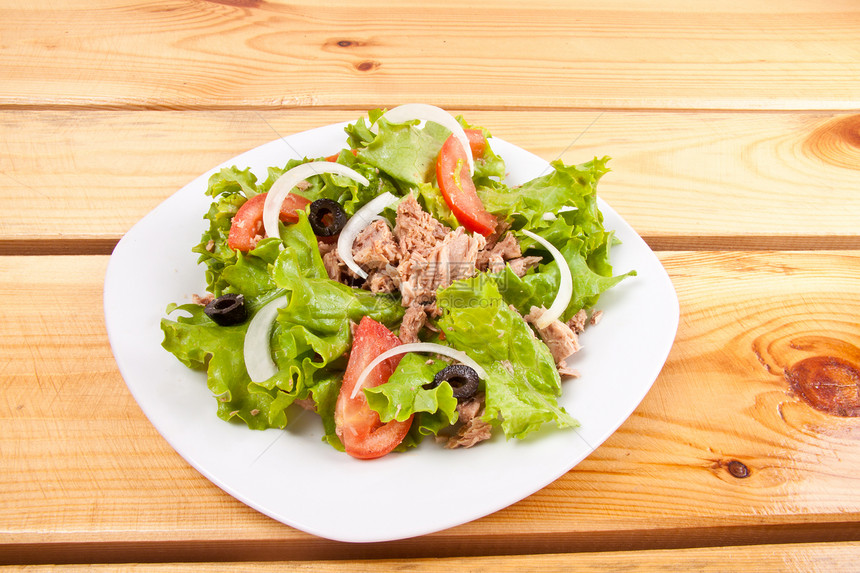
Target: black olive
{"type": "Point", "coordinates": [463, 380]}
{"type": "Point", "coordinates": [227, 310]}
{"type": "Point", "coordinates": [326, 217]}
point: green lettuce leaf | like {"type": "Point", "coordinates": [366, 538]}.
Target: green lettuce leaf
{"type": "Point", "coordinates": [432, 201]}
{"type": "Point", "coordinates": [522, 382]}
{"type": "Point", "coordinates": [213, 249]}
{"type": "Point", "coordinates": [232, 180]}
{"type": "Point", "coordinates": [315, 300]}
{"type": "Point", "coordinates": [405, 152]}
{"type": "Point", "coordinates": [408, 154]}
{"type": "Point", "coordinates": [564, 186]}
{"type": "Point", "coordinates": [587, 256]}
{"type": "Point", "coordinates": [310, 339]}
{"type": "Point", "coordinates": [249, 275]}
{"type": "Point", "coordinates": [201, 344]}
{"type": "Point", "coordinates": [404, 395]}
{"type": "Point", "coordinates": [324, 394]}
{"type": "Point", "coordinates": [313, 332]}
{"type": "Point", "coordinates": [358, 133]}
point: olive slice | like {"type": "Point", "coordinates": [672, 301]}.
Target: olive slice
{"type": "Point", "coordinates": [326, 217]}
{"type": "Point", "coordinates": [463, 380]}
{"type": "Point", "coordinates": [227, 310]}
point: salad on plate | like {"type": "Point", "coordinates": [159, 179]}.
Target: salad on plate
{"type": "Point", "coordinates": [398, 287]}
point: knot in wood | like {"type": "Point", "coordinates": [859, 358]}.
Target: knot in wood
{"type": "Point", "coordinates": [738, 469]}
{"type": "Point", "coordinates": [836, 142]}
{"type": "Point", "coordinates": [367, 66]}
{"type": "Point", "coordinates": [827, 383]}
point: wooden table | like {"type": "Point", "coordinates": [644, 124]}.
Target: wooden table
{"type": "Point", "coordinates": [735, 137]}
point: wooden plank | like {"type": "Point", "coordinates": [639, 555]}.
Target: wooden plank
{"type": "Point", "coordinates": [818, 557]}
{"type": "Point", "coordinates": [720, 452]}
{"type": "Point", "coordinates": [74, 183]}
{"type": "Point", "coordinates": [667, 54]}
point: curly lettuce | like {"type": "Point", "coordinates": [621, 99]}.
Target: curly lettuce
{"type": "Point", "coordinates": [565, 186]}
{"type": "Point", "coordinates": [587, 258]}
{"type": "Point", "coordinates": [523, 384]}
{"type": "Point", "coordinates": [405, 394]}
{"type": "Point", "coordinates": [312, 334]}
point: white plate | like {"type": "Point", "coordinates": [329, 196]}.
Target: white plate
{"type": "Point", "coordinates": [292, 476]}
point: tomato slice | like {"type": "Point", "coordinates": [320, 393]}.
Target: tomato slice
{"type": "Point", "coordinates": [477, 142]}
{"type": "Point", "coordinates": [359, 428]}
{"type": "Point", "coordinates": [247, 224]}
{"type": "Point", "coordinates": [458, 189]}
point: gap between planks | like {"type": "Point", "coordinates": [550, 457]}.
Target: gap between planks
{"type": "Point", "coordinates": [434, 546]}
{"type": "Point", "coordinates": [105, 246]}
{"type": "Point", "coordinates": [734, 107]}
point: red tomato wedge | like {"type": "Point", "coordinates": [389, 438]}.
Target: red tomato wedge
{"type": "Point", "coordinates": [477, 142]}
{"type": "Point", "coordinates": [458, 189]}
{"type": "Point", "coordinates": [359, 428]}
{"type": "Point", "coordinates": [247, 224]}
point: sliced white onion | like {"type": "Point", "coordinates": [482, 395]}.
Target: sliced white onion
{"type": "Point", "coordinates": [426, 112]}
{"type": "Point", "coordinates": [285, 183]}
{"type": "Point", "coordinates": [565, 286]}
{"type": "Point", "coordinates": [362, 218]}
{"type": "Point", "coordinates": [457, 355]}
{"type": "Point", "coordinates": [257, 349]}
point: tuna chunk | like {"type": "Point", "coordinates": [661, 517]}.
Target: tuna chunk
{"type": "Point", "coordinates": [335, 268]}
{"type": "Point", "coordinates": [561, 340]}
{"type": "Point", "coordinates": [473, 429]}
{"type": "Point", "coordinates": [431, 255]}
{"type": "Point", "coordinates": [469, 409]}
{"type": "Point", "coordinates": [470, 434]}
{"type": "Point", "coordinates": [333, 265]}
{"type": "Point", "coordinates": [501, 228]}
{"type": "Point", "coordinates": [416, 230]}
{"type": "Point", "coordinates": [494, 257]}
{"type": "Point", "coordinates": [375, 248]}
{"type": "Point", "coordinates": [413, 321]}
{"type": "Point", "coordinates": [453, 258]}
{"type": "Point", "coordinates": [521, 265]}
{"type": "Point", "coordinates": [386, 280]}
{"type": "Point", "coordinates": [564, 370]}
{"type": "Point", "coordinates": [202, 300]}
{"type": "Point", "coordinates": [577, 323]}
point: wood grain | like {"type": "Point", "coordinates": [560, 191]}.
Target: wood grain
{"type": "Point", "coordinates": [73, 182]}
{"type": "Point", "coordinates": [84, 474]}
{"type": "Point", "coordinates": [807, 557]}
{"type": "Point", "coordinates": [667, 54]}
{"type": "Point", "coordinates": [735, 136]}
